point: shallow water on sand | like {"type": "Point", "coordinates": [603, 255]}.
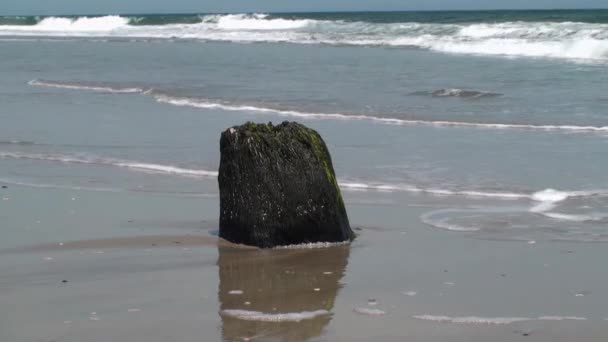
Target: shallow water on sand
{"type": "Point", "coordinates": [476, 194]}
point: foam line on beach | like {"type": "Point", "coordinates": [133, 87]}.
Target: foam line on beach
{"type": "Point", "coordinates": [131, 165]}
{"type": "Point", "coordinates": [493, 320]}
{"type": "Point", "coordinates": [432, 191]}
{"type": "Point", "coordinates": [546, 199]}
{"type": "Point", "coordinates": [206, 104]}
{"type": "Point", "coordinates": [86, 86]}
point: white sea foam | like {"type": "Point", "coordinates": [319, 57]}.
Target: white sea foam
{"type": "Point", "coordinates": [273, 317]}
{"type": "Point", "coordinates": [358, 186]}
{"type": "Point", "coordinates": [257, 22]}
{"type": "Point", "coordinates": [59, 25]}
{"type": "Point", "coordinates": [168, 169]}
{"type": "Point", "coordinates": [472, 319]}
{"type": "Point", "coordinates": [561, 318]}
{"type": "Point", "coordinates": [443, 223]}
{"type": "Point", "coordinates": [84, 86]}
{"type": "Point", "coordinates": [136, 166]}
{"type": "Point", "coordinates": [550, 195]}
{"type": "Point", "coordinates": [494, 320]}
{"type": "Point", "coordinates": [594, 217]}
{"type": "Point", "coordinates": [549, 198]}
{"type": "Point", "coordinates": [207, 104]}
{"type": "Point", "coordinates": [566, 40]}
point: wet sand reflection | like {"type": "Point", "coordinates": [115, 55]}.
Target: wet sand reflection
{"type": "Point", "coordinates": [279, 294]}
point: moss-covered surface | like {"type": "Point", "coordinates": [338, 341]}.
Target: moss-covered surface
{"type": "Point", "coordinates": [278, 187]}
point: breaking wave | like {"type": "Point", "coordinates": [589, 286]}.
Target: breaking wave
{"type": "Point", "coordinates": [564, 39]}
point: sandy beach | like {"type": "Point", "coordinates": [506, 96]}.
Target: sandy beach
{"type": "Point", "coordinates": [175, 280]}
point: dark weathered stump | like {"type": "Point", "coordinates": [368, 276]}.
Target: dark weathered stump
{"type": "Point", "coordinates": [278, 187]}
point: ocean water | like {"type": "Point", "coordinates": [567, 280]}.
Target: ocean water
{"type": "Point", "coordinates": [486, 126]}
{"type": "Point", "coordinates": [467, 107]}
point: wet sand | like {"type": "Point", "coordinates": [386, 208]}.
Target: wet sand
{"type": "Point", "coordinates": [400, 280]}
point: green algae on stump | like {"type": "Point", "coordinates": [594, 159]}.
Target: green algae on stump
{"type": "Point", "coordinates": [278, 187]}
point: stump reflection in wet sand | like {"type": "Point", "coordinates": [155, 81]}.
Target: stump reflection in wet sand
{"type": "Point", "coordinates": [283, 294]}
